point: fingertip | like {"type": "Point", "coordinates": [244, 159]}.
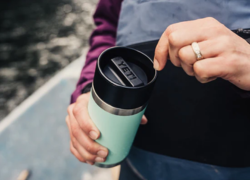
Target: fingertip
{"type": "Point", "coordinates": [144, 120]}
{"type": "Point", "coordinates": [70, 108]}
{"type": "Point", "coordinates": [159, 64]}
{"type": "Point", "coordinates": [94, 135]}
{"type": "Point", "coordinates": [156, 65]}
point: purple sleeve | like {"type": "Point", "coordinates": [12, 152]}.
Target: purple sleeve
{"type": "Point", "coordinates": [104, 36]}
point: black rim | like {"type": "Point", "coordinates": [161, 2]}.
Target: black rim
{"type": "Point", "coordinates": [113, 83]}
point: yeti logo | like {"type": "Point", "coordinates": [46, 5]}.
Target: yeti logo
{"type": "Point", "coordinates": [127, 71]}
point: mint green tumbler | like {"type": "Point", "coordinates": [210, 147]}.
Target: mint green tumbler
{"type": "Point", "coordinates": [123, 82]}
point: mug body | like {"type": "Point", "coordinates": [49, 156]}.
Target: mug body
{"type": "Point", "coordinates": [117, 131]}
{"type": "Point", "coordinates": [123, 82]}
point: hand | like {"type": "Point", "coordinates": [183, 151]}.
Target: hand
{"type": "Point", "coordinates": [83, 132]}
{"type": "Point", "coordinates": [226, 55]}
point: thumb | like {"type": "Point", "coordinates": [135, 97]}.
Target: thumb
{"type": "Point", "coordinates": [144, 120]}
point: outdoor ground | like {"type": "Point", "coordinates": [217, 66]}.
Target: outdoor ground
{"type": "Point", "coordinates": [37, 39]}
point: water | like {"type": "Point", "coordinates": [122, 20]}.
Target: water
{"type": "Point", "coordinates": [37, 39]}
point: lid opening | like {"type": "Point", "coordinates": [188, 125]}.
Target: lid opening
{"type": "Point", "coordinates": [126, 74]}
{"type": "Point", "coordinates": [124, 78]}
{"type": "Point", "coordinates": [127, 68]}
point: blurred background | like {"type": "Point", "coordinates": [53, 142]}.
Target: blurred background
{"type": "Point", "coordinates": [43, 46]}
{"type": "Point", "coordinates": [37, 39]}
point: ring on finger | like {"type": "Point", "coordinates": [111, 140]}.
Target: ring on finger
{"type": "Point", "coordinates": [197, 51]}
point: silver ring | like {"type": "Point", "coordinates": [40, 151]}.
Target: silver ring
{"type": "Point", "coordinates": [197, 50]}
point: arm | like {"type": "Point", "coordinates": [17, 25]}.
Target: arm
{"type": "Point", "coordinates": [103, 37]}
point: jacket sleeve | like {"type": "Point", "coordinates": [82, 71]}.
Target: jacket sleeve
{"type": "Point", "coordinates": [104, 36]}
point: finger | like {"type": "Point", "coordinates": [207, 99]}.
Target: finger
{"type": "Point", "coordinates": [161, 52]}
{"type": "Point", "coordinates": [72, 149]}
{"type": "Point", "coordinates": [85, 154]}
{"type": "Point", "coordinates": [92, 146]}
{"type": "Point", "coordinates": [69, 127]}
{"type": "Point", "coordinates": [80, 112]}
{"type": "Point", "coordinates": [144, 120]}
{"type": "Point", "coordinates": [163, 46]}
{"type": "Point", "coordinates": [208, 48]}
{"type": "Point", "coordinates": [75, 153]}
{"type": "Point", "coordinates": [209, 69]}
{"type": "Point", "coordinates": [85, 141]}
{"type": "Point", "coordinates": [172, 38]}
{"type": "Point", "coordinates": [82, 116]}
{"type": "Point", "coordinates": [173, 54]}
{"type": "Point", "coordinates": [187, 68]}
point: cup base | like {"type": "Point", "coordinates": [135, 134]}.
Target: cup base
{"type": "Point", "coordinates": [107, 165]}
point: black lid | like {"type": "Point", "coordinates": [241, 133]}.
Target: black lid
{"type": "Point", "coordinates": [124, 77]}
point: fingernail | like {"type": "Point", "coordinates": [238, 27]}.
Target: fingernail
{"type": "Point", "coordinates": [102, 153]}
{"type": "Point", "coordinates": [93, 135]}
{"type": "Point", "coordinates": [99, 159]}
{"type": "Point", "coordinates": [156, 65]}
{"type": "Point", "coordinates": [89, 162]}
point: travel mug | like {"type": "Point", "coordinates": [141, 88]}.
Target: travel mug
{"type": "Point", "coordinates": [122, 85]}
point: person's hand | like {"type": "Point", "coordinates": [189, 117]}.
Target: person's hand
{"type": "Point", "coordinates": [83, 132]}
{"type": "Point", "coordinates": [226, 55]}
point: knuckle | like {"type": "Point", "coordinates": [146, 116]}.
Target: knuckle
{"type": "Point", "coordinates": [190, 73]}
{"type": "Point", "coordinates": [198, 70]}
{"type": "Point", "coordinates": [175, 60]}
{"type": "Point", "coordinates": [219, 29]}
{"type": "Point", "coordinates": [77, 109]}
{"type": "Point", "coordinates": [84, 125]}
{"type": "Point", "coordinates": [182, 54]}
{"type": "Point", "coordinates": [89, 147]}
{"type": "Point", "coordinates": [69, 109]}
{"type": "Point", "coordinates": [170, 29]}
{"type": "Point", "coordinates": [172, 39]}
{"type": "Point", "coordinates": [203, 80]}
{"type": "Point", "coordinates": [80, 98]}
{"type": "Point", "coordinates": [215, 26]}
{"type": "Point", "coordinates": [177, 63]}
{"type": "Point", "coordinates": [211, 19]}
{"type": "Point", "coordinates": [188, 69]}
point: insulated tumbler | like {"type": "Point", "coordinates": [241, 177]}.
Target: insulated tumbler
{"type": "Point", "coordinates": [123, 81]}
